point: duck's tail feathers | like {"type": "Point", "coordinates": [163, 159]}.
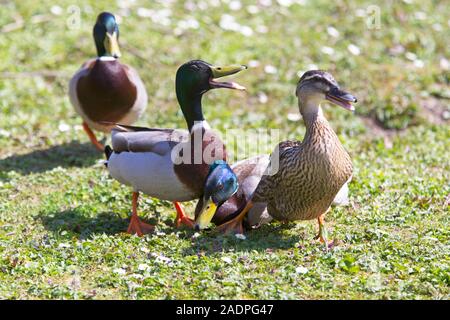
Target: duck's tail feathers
{"type": "Point", "coordinates": [108, 152]}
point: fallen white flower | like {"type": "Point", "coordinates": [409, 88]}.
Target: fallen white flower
{"type": "Point", "coordinates": [119, 271]}
{"type": "Point", "coordinates": [327, 50]}
{"type": "Point", "coordinates": [354, 49]}
{"type": "Point", "coordinates": [301, 270]}
{"type": "Point", "coordinates": [240, 236]}
{"type": "Point", "coordinates": [227, 260]}
{"type": "Point", "coordinates": [63, 127]}
{"type": "Point", "coordinates": [333, 32]}
{"type": "Point", "coordinates": [270, 69]}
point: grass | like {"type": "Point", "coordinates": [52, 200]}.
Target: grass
{"type": "Point", "coordinates": [62, 218]}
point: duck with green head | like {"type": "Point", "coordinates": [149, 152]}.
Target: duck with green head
{"type": "Point", "coordinates": [173, 164]}
{"type": "Point", "coordinates": [104, 89]}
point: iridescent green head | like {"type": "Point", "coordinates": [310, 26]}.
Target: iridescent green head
{"type": "Point", "coordinates": [221, 184]}
{"type": "Point", "coordinates": [196, 77]}
{"type": "Point", "coordinates": [106, 35]}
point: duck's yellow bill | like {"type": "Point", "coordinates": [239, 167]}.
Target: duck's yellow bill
{"type": "Point", "coordinates": [219, 71]}
{"type": "Point", "coordinates": [112, 45]}
{"type": "Point", "coordinates": [204, 218]}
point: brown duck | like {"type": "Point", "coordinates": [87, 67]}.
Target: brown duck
{"type": "Point", "coordinates": [302, 178]}
{"type": "Point", "coordinates": [104, 89]}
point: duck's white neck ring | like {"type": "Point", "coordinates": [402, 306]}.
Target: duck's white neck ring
{"type": "Point", "coordinates": [106, 58]}
{"type": "Point", "coordinates": [200, 124]}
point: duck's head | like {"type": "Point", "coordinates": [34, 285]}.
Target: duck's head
{"type": "Point", "coordinates": [316, 85]}
{"type": "Point", "coordinates": [221, 184]}
{"type": "Point", "coordinates": [196, 77]}
{"type": "Point", "coordinates": [106, 35]}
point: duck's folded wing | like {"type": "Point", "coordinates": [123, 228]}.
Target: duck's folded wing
{"type": "Point", "coordinates": [141, 139]}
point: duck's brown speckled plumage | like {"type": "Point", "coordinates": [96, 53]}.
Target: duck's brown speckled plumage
{"type": "Point", "coordinates": [310, 174]}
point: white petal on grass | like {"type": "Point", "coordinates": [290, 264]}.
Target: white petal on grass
{"type": "Point", "coordinates": [270, 69]}
{"type": "Point", "coordinates": [301, 270]}
{"type": "Point", "coordinates": [227, 260]}
{"type": "Point", "coordinates": [444, 63]}
{"type": "Point", "coordinates": [356, 51]}
{"type": "Point", "coordinates": [120, 271]}
{"type": "Point", "coordinates": [159, 258]}
{"type": "Point", "coordinates": [235, 5]}
{"type": "Point", "coordinates": [262, 97]}
{"type": "Point", "coordinates": [294, 116]}
{"type": "Point", "coordinates": [419, 63]}
{"type": "Point", "coordinates": [64, 245]}
{"type": "Point", "coordinates": [265, 3]}
{"type": "Point", "coordinates": [360, 13]}
{"type": "Point", "coordinates": [332, 31]}
{"type": "Point", "coordinates": [142, 267]}
{"type": "Point", "coordinates": [227, 22]}
{"type": "Point", "coordinates": [285, 3]}
{"type": "Point", "coordinates": [189, 23]}
{"type": "Point", "coordinates": [327, 50]}
{"type": "Point", "coordinates": [410, 56]}
{"type": "Point", "coordinates": [145, 249]}
{"type": "Point", "coordinates": [5, 133]}
{"type": "Point", "coordinates": [56, 10]}
{"type": "Point", "coordinates": [437, 27]}
{"type": "Point", "coordinates": [252, 9]}
{"type": "Point", "coordinates": [124, 4]}
{"type": "Point", "coordinates": [63, 127]}
{"type": "Point", "coordinates": [246, 31]}
{"type": "Point", "coordinates": [254, 63]}
{"type": "Point", "coordinates": [240, 236]}
{"type": "Point", "coordinates": [144, 12]}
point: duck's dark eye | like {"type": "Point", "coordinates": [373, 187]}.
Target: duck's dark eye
{"type": "Point", "coordinates": [220, 186]}
{"type": "Point", "coordinates": [219, 68]}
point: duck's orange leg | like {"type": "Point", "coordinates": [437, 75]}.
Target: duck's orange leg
{"type": "Point", "coordinates": [235, 225]}
{"type": "Point", "coordinates": [92, 137]}
{"type": "Point", "coordinates": [323, 234]}
{"type": "Point", "coordinates": [136, 225]}
{"type": "Point", "coordinates": [181, 216]}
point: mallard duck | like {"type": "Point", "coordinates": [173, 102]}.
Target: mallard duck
{"type": "Point", "coordinates": [104, 89]}
{"type": "Point", "coordinates": [172, 164]}
{"type": "Point", "coordinates": [307, 176]}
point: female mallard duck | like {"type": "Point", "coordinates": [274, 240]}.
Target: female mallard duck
{"type": "Point", "coordinates": [310, 173]}
{"type": "Point", "coordinates": [104, 89]}
{"type": "Point", "coordinates": [172, 164]}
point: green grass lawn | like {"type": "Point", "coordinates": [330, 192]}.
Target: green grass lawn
{"type": "Point", "coordinates": [62, 218]}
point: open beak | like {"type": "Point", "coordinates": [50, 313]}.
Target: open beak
{"type": "Point", "coordinates": [205, 216]}
{"type": "Point", "coordinates": [341, 98]}
{"type": "Point", "coordinates": [112, 45]}
{"type": "Point", "coordinates": [218, 72]}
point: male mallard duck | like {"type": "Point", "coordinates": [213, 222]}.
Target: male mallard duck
{"type": "Point", "coordinates": [310, 173]}
{"type": "Point", "coordinates": [104, 89]}
{"type": "Point", "coordinates": [173, 164]}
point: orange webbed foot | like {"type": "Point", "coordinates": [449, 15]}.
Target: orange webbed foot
{"type": "Point", "coordinates": [181, 217]}
{"type": "Point", "coordinates": [139, 227]}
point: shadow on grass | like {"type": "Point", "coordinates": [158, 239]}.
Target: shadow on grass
{"type": "Point", "coordinates": [71, 154]}
{"type": "Point", "coordinates": [82, 225]}
{"type": "Point", "coordinates": [266, 237]}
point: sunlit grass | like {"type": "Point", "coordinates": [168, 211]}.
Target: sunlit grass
{"type": "Point", "coordinates": [61, 216]}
